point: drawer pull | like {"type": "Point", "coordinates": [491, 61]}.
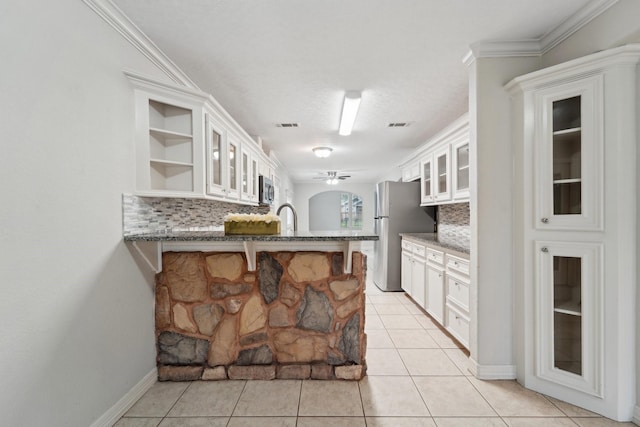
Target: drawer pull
{"type": "Point", "coordinates": [455, 263]}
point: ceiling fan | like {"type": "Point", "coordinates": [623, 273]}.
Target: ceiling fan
{"type": "Point", "coordinates": [333, 178]}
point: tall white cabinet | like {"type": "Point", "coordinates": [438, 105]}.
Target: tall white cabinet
{"type": "Point", "coordinates": [575, 231]}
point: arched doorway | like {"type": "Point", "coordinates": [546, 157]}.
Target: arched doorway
{"type": "Point", "coordinates": [334, 211]}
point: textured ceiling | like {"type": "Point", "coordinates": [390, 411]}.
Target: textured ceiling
{"type": "Point", "coordinates": [282, 61]}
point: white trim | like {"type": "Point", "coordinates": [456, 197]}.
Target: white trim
{"type": "Point", "coordinates": [459, 128]}
{"type": "Point", "coordinates": [113, 16]}
{"type": "Point", "coordinates": [574, 23]}
{"type": "Point", "coordinates": [538, 46]}
{"type": "Point", "coordinates": [121, 407]}
{"type": "Point", "coordinates": [492, 372]}
{"type": "Point", "coordinates": [636, 415]}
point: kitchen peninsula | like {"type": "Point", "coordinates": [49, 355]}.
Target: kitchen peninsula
{"type": "Point", "coordinates": [287, 306]}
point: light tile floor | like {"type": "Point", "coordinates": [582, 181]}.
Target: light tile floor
{"type": "Point", "coordinates": [417, 376]}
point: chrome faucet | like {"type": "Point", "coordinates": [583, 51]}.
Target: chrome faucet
{"type": "Point", "coordinates": [295, 214]}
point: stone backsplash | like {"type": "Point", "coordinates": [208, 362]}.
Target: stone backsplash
{"type": "Point", "coordinates": [298, 316]}
{"type": "Point", "coordinates": [453, 224]}
{"type": "Point", "coordinates": [150, 214]}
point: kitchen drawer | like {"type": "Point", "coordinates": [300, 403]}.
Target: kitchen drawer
{"type": "Point", "coordinates": [419, 250]}
{"type": "Point", "coordinates": [458, 265]}
{"type": "Point", "coordinates": [458, 290]}
{"type": "Point", "coordinates": [435, 256]}
{"type": "Point", "coordinates": [457, 324]}
{"type": "Point", "coordinates": [407, 245]}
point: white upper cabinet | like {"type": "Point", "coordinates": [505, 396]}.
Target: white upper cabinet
{"type": "Point", "coordinates": [445, 166]}
{"type": "Point", "coordinates": [233, 168]}
{"type": "Point", "coordinates": [187, 146]}
{"type": "Point", "coordinates": [442, 174]}
{"type": "Point", "coordinates": [426, 181]}
{"type": "Point", "coordinates": [215, 155]}
{"type": "Point", "coordinates": [169, 139]}
{"type": "Point", "coordinates": [460, 169]}
{"type": "Point", "coordinates": [411, 171]}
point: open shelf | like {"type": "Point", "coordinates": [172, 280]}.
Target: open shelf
{"type": "Point", "coordinates": [567, 131]}
{"type": "Point", "coordinates": [572, 308]}
{"type": "Point", "coordinates": [567, 181]}
{"type": "Point", "coordinates": [168, 133]}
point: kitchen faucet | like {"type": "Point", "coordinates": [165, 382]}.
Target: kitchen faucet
{"type": "Point", "coordinates": [295, 214]}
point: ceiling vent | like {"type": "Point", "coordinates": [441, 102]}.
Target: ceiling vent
{"type": "Point", "coordinates": [287, 125]}
{"type": "Point", "coordinates": [398, 125]}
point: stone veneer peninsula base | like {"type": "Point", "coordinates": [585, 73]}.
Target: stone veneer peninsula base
{"type": "Point", "coordinates": [297, 316]}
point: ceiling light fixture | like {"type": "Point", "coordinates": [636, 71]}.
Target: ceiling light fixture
{"type": "Point", "coordinates": [322, 151]}
{"type": "Point", "coordinates": [332, 181]}
{"type": "Point", "coordinates": [349, 112]}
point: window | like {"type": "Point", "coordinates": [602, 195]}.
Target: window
{"type": "Point", "coordinates": [350, 211]}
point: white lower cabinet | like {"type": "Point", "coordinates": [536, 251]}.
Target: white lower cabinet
{"type": "Point", "coordinates": [457, 298]}
{"type": "Point", "coordinates": [413, 271]}
{"type": "Point", "coordinates": [435, 292]}
{"type": "Point", "coordinates": [438, 281]}
{"type": "Point", "coordinates": [457, 322]}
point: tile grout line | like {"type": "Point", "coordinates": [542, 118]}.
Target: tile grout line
{"type": "Point", "coordinates": [299, 402]}
{"type": "Point", "coordinates": [244, 386]}
{"type": "Point", "coordinates": [176, 402]}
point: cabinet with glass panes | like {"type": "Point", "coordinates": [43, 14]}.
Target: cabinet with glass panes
{"type": "Point", "coordinates": [569, 157]}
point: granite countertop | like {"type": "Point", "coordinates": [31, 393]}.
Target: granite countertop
{"type": "Point", "coordinates": [213, 236]}
{"type": "Point", "coordinates": [432, 239]}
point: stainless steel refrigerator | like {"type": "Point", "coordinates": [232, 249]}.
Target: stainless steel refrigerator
{"type": "Point", "coordinates": [397, 211]}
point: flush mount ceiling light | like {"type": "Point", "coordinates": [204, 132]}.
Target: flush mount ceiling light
{"type": "Point", "coordinates": [349, 112]}
{"type": "Point", "coordinates": [322, 151]}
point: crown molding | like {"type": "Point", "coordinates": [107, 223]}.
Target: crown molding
{"type": "Point", "coordinates": [113, 16]}
{"type": "Point", "coordinates": [574, 23]}
{"type": "Point", "coordinates": [541, 45]}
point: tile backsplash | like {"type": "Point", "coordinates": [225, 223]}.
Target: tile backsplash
{"type": "Point", "coordinates": [453, 224]}
{"type": "Point", "coordinates": [151, 214]}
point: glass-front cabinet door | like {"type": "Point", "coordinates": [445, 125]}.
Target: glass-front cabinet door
{"type": "Point", "coordinates": [461, 169]}
{"type": "Point", "coordinates": [569, 154]}
{"type": "Point", "coordinates": [215, 159]}
{"type": "Point", "coordinates": [442, 176]}
{"type": "Point", "coordinates": [245, 178]}
{"type": "Point", "coordinates": [233, 169]}
{"type": "Point", "coordinates": [569, 312]}
{"type": "Point", "coordinates": [426, 180]}
{"type": "Point", "coordinates": [254, 179]}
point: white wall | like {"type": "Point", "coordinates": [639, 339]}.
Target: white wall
{"type": "Point", "coordinates": [303, 192]}
{"type": "Point", "coordinates": [76, 309]}
{"type": "Point", "coordinates": [491, 343]}
{"type": "Point", "coordinates": [324, 211]}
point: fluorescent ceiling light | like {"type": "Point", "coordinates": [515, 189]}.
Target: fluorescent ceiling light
{"type": "Point", "coordinates": [322, 151]}
{"type": "Point", "coordinates": [349, 112]}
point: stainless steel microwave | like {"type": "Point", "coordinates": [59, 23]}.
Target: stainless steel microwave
{"type": "Point", "coordinates": [267, 192]}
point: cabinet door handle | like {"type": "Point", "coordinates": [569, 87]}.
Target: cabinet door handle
{"type": "Point", "coordinates": [545, 220]}
{"type": "Point", "coordinates": [545, 249]}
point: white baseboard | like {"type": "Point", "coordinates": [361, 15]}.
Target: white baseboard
{"type": "Point", "coordinates": [636, 415]}
{"type": "Point", "coordinates": [109, 418]}
{"type": "Point", "coordinates": [492, 372]}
